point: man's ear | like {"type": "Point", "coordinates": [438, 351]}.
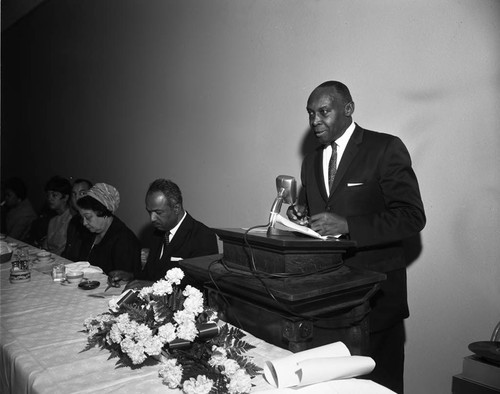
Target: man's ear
{"type": "Point", "coordinates": [177, 208]}
{"type": "Point", "coordinates": [349, 108]}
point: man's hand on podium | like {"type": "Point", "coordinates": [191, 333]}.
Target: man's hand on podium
{"type": "Point", "coordinates": [298, 214]}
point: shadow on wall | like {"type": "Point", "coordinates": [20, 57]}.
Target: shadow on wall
{"type": "Point", "coordinates": [412, 248]}
{"type": "Point", "coordinates": [309, 143]}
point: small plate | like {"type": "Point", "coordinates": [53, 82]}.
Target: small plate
{"type": "Point", "coordinates": [89, 284]}
{"type": "Point", "coordinates": [66, 283]}
{"type": "Point", "coordinates": [487, 349]}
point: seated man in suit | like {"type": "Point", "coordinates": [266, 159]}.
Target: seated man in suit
{"type": "Point", "coordinates": [177, 234]}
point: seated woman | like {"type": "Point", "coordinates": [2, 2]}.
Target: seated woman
{"type": "Point", "coordinates": [19, 211]}
{"type": "Point", "coordinates": [77, 232]}
{"type": "Point", "coordinates": [114, 247]}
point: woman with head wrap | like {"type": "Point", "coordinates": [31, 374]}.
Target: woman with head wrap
{"type": "Point", "coordinates": [114, 248]}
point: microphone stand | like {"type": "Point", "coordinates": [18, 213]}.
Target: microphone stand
{"type": "Point", "coordinates": [275, 210]}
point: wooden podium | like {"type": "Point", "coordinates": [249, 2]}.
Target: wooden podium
{"type": "Point", "coordinates": [290, 290]}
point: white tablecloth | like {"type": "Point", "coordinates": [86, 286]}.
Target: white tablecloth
{"type": "Point", "coordinates": [41, 343]}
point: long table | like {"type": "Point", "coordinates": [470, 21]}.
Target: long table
{"type": "Point", "coordinates": [42, 342]}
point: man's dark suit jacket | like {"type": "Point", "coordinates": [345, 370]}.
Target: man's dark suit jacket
{"type": "Point", "coordinates": [377, 191]}
{"type": "Point", "coordinates": [192, 239]}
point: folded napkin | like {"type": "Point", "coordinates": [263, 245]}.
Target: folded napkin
{"type": "Point", "coordinates": [85, 267]}
{"type": "Point", "coordinates": [321, 364]}
{"type": "Point", "coordinates": [5, 248]}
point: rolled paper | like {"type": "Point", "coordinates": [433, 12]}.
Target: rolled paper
{"type": "Point", "coordinates": [335, 386]}
{"type": "Point", "coordinates": [284, 372]}
{"type": "Point", "coordinates": [323, 369]}
{"type": "Point", "coordinates": [207, 330]}
{"type": "Point", "coordinates": [178, 343]}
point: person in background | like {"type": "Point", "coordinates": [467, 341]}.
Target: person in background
{"type": "Point", "coordinates": [360, 184]}
{"type": "Point", "coordinates": [113, 247]}
{"type": "Point", "coordinates": [40, 226]}
{"type": "Point", "coordinates": [58, 192]}
{"type": "Point", "coordinates": [77, 238]}
{"type": "Point", "coordinates": [177, 234]}
{"type": "Point", "coordinates": [79, 189]}
{"type": "Point", "coordinates": [20, 213]}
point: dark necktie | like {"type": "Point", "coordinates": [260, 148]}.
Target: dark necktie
{"type": "Point", "coordinates": [166, 239]}
{"type": "Point", "coordinates": [332, 166]}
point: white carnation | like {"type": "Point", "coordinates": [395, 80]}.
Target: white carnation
{"type": "Point", "coordinates": [174, 276]}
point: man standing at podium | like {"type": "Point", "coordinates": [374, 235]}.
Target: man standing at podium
{"type": "Point", "coordinates": [360, 184]}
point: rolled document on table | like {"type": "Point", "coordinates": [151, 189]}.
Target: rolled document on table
{"type": "Point", "coordinates": [332, 368]}
{"type": "Point", "coordinates": [333, 361]}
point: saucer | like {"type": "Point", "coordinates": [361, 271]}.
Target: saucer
{"type": "Point", "coordinates": [48, 261]}
{"type": "Point", "coordinates": [89, 284]}
{"type": "Point", "coordinates": [66, 283]}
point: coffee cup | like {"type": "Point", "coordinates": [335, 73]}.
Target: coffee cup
{"type": "Point", "coordinates": [43, 256]}
{"type": "Point", "coordinates": [74, 276]}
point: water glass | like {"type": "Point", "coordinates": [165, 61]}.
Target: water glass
{"type": "Point", "coordinates": [58, 272]}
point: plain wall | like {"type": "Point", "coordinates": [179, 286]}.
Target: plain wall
{"type": "Point", "coordinates": [212, 94]}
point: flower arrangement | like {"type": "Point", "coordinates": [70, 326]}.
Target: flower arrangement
{"type": "Point", "coordinates": [172, 327]}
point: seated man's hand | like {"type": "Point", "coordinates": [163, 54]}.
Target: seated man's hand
{"type": "Point", "coordinates": [138, 284]}
{"type": "Point", "coordinates": [327, 223]}
{"type": "Point", "coordinates": [118, 275]}
{"type": "Point", "coordinates": [298, 214]}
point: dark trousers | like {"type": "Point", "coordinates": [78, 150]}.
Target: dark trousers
{"type": "Point", "coordinates": [387, 349]}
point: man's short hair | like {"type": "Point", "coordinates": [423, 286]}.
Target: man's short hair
{"type": "Point", "coordinates": [18, 187]}
{"type": "Point", "coordinates": [342, 89]}
{"type": "Point", "coordinates": [169, 189]}
{"type": "Point", "coordinates": [59, 184]}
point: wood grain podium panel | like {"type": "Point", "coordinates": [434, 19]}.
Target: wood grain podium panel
{"type": "Point", "coordinates": [287, 252]}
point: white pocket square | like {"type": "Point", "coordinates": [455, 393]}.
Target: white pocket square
{"type": "Point", "coordinates": [354, 184]}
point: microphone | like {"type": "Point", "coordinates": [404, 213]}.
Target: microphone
{"type": "Point", "coordinates": [287, 192]}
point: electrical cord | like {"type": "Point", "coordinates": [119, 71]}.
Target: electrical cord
{"type": "Point", "coordinates": [262, 276]}
{"type": "Point", "coordinates": [237, 274]}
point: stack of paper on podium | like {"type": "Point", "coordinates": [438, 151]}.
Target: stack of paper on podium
{"type": "Point", "coordinates": [325, 369]}
{"type": "Point", "coordinates": [291, 226]}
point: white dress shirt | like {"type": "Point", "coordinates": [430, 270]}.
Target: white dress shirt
{"type": "Point", "coordinates": [327, 153]}
{"type": "Point", "coordinates": [172, 233]}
